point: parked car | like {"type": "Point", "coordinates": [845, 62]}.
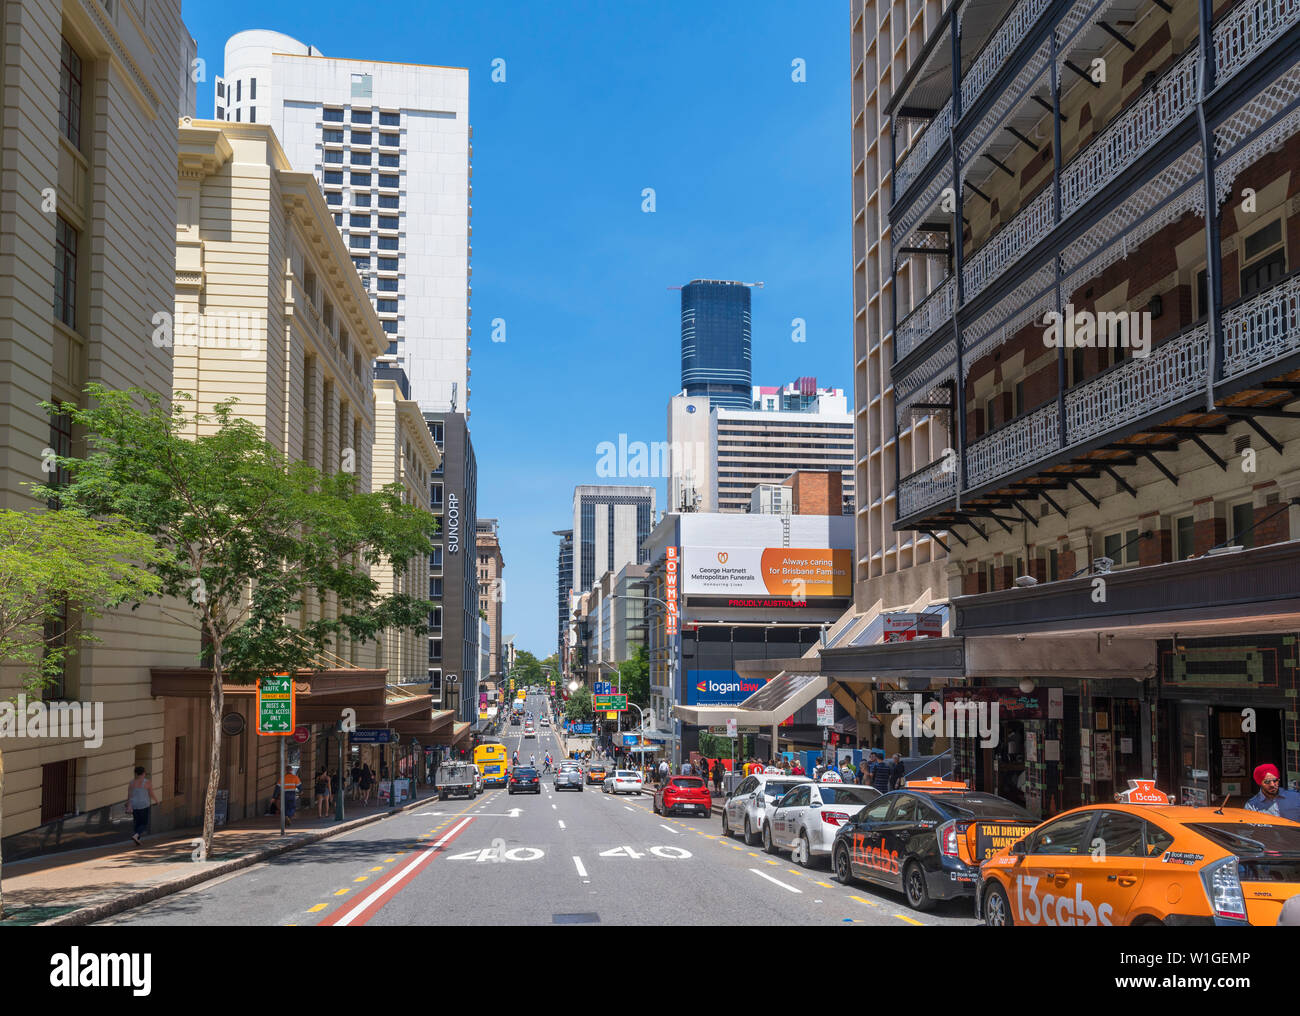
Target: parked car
{"type": "Point", "coordinates": [683, 793]}
{"type": "Point", "coordinates": [806, 820]}
{"type": "Point", "coordinates": [524, 779]}
{"type": "Point", "coordinates": [623, 781]}
{"type": "Point", "coordinates": [457, 779]}
{"type": "Point", "coordinates": [568, 776]}
{"type": "Point", "coordinates": [927, 840]}
{"type": "Point", "coordinates": [746, 809]}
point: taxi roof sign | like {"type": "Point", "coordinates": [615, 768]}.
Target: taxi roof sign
{"type": "Point", "coordinates": [935, 783]}
{"type": "Point", "coordinates": [1143, 792]}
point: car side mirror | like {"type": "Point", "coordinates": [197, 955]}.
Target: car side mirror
{"type": "Point", "coordinates": [1020, 848]}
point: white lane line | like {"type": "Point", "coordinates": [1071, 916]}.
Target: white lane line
{"type": "Point", "coordinates": [670, 829]}
{"type": "Point", "coordinates": [561, 823]}
{"type": "Point", "coordinates": [582, 872]}
{"type": "Point", "coordinates": [554, 808]}
{"type": "Point", "coordinates": [776, 881]}
{"type": "Point", "coordinates": [628, 807]}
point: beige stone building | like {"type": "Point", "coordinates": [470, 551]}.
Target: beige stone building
{"type": "Point", "coordinates": [491, 588]}
{"type": "Point", "coordinates": [405, 454]}
{"type": "Point", "coordinates": [88, 100]}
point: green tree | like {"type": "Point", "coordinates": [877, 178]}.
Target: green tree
{"type": "Point", "coordinates": [578, 708]}
{"type": "Point", "coordinates": [255, 541]}
{"type": "Point", "coordinates": [62, 564]}
{"type": "Point", "coordinates": [635, 677]}
{"type": "Point", "coordinates": [528, 669]}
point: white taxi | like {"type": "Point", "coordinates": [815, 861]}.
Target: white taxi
{"type": "Point", "coordinates": [806, 820]}
{"type": "Point", "coordinates": [744, 811]}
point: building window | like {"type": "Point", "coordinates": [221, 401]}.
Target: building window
{"type": "Point", "coordinates": [58, 790]}
{"type": "Point", "coordinates": [333, 137]}
{"type": "Point", "coordinates": [333, 116]}
{"type": "Point", "coordinates": [252, 114]}
{"type": "Point", "coordinates": [360, 137]}
{"type": "Point", "coordinates": [361, 199]}
{"type": "Point", "coordinates": [390, 119]}
{"type": "Point", "coordinates": [359, 220]}
{"type": "Point", "coordinates": [388, 243]}
{"type": "Point", "coordinates": [389, 160]}
{"type": "Point", "coordinates": [359, 241]}
{"type": "Point", "coordinates": [390, 222]}
{"type": "Point", "coordinates": [392, 349]}
{"type": "Point", "coordinates": [239, 117]}
{"type": "Point", "coordinates": [388, 264]}
{"type": "Point", "coordinates": [70, 94]}
{"type": "Point", "coordinates": [333, 155]}
{"type": "Point", "coordinates": [65, 273]}
{"type": "Point", "coordinates": [334, 197]}
{"type": "Point", "coordinates": [361, 158]}
{"type": "Point", "coordinates": [390, 140]}
{"type": "Point", "coordinates": [387, 285]}
{"type": "Point", "coordinates": [389, 201]}
{"type": "Point", "coordinates": [252, 88]}
{"type": "Point", "coordinates": [334, 176]}
{"type": "Point", "coordinates": [239, 90]}
{"type": "Point", "coordinates": [361, 264]}
{"type": "Point", "coordinates": [1243, 518]}
{"type": "Point", "coordinates": [1184, 537]}
{"type": "Point", "coordinates": [178, 766]}
{"type": "Point", "coordinates": [1122, 548]}
{"type": "Point", "coordinates": [221, 89]}
{"type": "Point", "coordinates": [338, 218]}
{"type": "Point", "coordinates": [990, 414]}
{"type": "Point", "coordinates": [389, 180]}
{"type": "Point", "coordinates": [386, 306]}
{"type": "Point", "coordinates": [435, 558]}
{"type": "Point", "coordinates": [360, 179]}
{"type": "Point", "coordinates": [221, 113]}
{"type": "Point", "coordinates": [390, 327]}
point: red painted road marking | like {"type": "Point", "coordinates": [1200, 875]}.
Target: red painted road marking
{"type": "Point", "coordinates": [372, 904]}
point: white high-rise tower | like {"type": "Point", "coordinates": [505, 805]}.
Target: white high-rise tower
{"type": "Point", "coordinates": [391, 146]}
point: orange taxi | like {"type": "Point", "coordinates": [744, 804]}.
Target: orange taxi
{"type": "Point", "coordinates": [1144, 860]}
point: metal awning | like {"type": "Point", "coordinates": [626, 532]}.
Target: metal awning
{"type": "Point", "coordinates": [775, 702]}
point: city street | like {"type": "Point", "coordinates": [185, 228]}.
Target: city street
{"type": "Point", "coordinates": [553, 858]}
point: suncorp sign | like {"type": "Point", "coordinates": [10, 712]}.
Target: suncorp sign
{"type": "Point", "coordinates": [719, 687]}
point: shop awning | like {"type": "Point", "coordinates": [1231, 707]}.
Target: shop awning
{"type": "Point", "coordinates": [775, 702]}
{"type": "Point", "coordinates": [458, 732]}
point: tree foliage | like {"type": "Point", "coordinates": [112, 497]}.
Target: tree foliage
{"type": "Point", "coordinates": [256, 543]}
{"type": "Point", "coordinates": [578, 708]}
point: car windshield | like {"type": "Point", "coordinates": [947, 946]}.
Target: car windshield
{"type": "Point", "coordinates": [688, 782]}
{"type": "Point", "coordinates": [847, 795]}
{"type": "Point", "coordinates": [777, 789]}
{"type": "Point", "coordinates": [525, 771]}
{"type": "Point", "coordinates": [980, 806]}
{"type": "Point", "coordinates": [627, 773]}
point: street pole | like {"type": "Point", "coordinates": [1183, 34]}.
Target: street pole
{"type": "Point", "coordinates": [338, 807]}
{"type": "Point", "coordinates": [282, 786]}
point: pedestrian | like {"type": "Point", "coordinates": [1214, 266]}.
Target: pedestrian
{"type": "Point", "coordinates": [1272, 798]}
{"type": "Point", "coordinates": [796, 768]}
{"type": "Point", "coordinates": [321, 788]}
{"type": "Point", "coordinates": [336, 787]}
{"type": "Point", "coordinates": [356, 779]}
{"type": "Point", "coordinates": [899, 774]}
{"type": "Point", "coordinates": [292, 784]}
{"type": "Point", "coordinates": [139, 799]}
{"type": "Point", "coordinates": [663, 771]}
{"type": "Point", "coordinates": [881, 773]}
{"type": "Point", "coordinates": [365, 782]}
{"type": "Point", "coordinates": [717, 777]}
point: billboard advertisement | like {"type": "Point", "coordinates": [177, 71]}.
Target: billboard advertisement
{"type": "Point", "coordinates": [799, 573]}
{"type": "Point", "coordinates": [719, 687]}
{"type": "Point", "coordinates": [904, 627]}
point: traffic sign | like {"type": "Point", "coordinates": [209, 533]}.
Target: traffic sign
{"type": "Point", "coordinates": [302, 733]}
{"type": "Point", "coordinates": [602, 687]}
{"type": "Point", "coordinates": [731, 728]}
{"type": "Point", "coordinates": [826, 712]}
{"type": "Point", "coordinates": [609, 703]}
{"type": "Point", "coordinates": [275, 706]}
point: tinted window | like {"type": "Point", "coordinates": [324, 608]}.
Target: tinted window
{"type": "Point", "coordinates": [797, 798]}
{"type": "Point", "coordinates": [690, 782]}
{"type": "Point", "coordinates": [525, 771]}
{"type": "Point", "coordinates": [908, 809]}
{"type": "Point", "coordinates": [746, 786]}
{"type": "Point", "coordinates": [877, 812]}
{"type": "Point", "coordinates": [847, 795]}
{"type": "Point", "coordinates": [1120, 835]}
{"type": "Point", "coordinates": [1066, 835]}
{"type": "Point", "coordinates": [1157, 840]}
{"type": "Point", "coordinates": [776, 789]}
{"type": "Point", "coordinates": [1248, 838]}
{"type": "Point", "coordinates": [981, 806]}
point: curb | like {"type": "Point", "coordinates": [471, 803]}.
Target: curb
{"type": "Point", "coordinates": [109, 908]}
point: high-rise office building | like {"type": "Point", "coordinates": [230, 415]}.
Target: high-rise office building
{"type": "Point", "coordinates": [609, 525]}
{"type": "Point", "coordinates": [716, 342]}
{"type": "Point", "coordinates": [563, 583]}
{"type": "Point", "coordinates": [391, 147]}
{"type": "Point", "coordinates": [717, 457]}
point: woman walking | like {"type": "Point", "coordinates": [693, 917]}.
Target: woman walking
{"type": "Point", "coordinates": [365, 781]}
{"type": "Point", "coordinates": [322, 791]}
{"type": "Point", "coordinates": [139, 799]}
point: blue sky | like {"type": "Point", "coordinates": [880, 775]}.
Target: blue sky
{"type": "Point", "coordinates": [751, 176]}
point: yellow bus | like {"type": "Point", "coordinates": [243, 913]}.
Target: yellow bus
{"type": "Point", "coordinates": [493, 764]}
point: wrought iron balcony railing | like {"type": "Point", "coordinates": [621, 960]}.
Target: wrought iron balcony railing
{"type": "Point", "coordinates": [998, 49]}
{"type": "Point", "coordinates": [928, 486]}
{"type": "Point", "coordinates": [1247, 30]}
{"type": "Point", "coordinates": [1025, 439]}
{"type": "Point", "coordinates": [932, 139]}
{"type": "Point", "coordinates": [919, 325]}
{"type": "Point", "coordinates": [1262, 329]}
{"type": "Point", "coordinates": [1009, 244]}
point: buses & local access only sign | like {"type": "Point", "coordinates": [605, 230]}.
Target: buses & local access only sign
{"type": "Point", "coordinates": [275, 706]}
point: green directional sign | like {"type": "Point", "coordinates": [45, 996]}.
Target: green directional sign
{"type": "Point", "coordinates": [275, 706]}
{"type": "Point", "coordinates": [609, 703]}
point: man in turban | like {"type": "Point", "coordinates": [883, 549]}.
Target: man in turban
{"type": "Point", "coordinates": [1272, 798]}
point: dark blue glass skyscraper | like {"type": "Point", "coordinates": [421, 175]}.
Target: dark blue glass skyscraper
{"type": "Point", "coordinates": [715, 343]}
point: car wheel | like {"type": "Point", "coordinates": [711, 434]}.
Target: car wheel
{"type": "Point", "coordinates": [749, 833]}
{"type": "Point", "coordinates": [997, 908]}
{"type": "Point", "coordinates": [843, 869]}
{"type": "Point", "coordinates": [442, 795]}
{"type": "Point", "coordinates": [726, 829]}
{"type": "Point", "coordinates": [803, 851]}
{"type": "Point", "coordinates": [654, 806]}
{"type": "Point", "coordinates": [708, 812]}
{"type": "Point", "coordinates": [918, 893]}
{"type": "Point", "coordinates": [768, 845]}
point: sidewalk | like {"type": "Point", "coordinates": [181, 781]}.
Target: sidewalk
{"type": "Point", "coordinates": [81, 886]}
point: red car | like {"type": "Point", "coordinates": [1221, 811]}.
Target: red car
{"type": "Point", "coordinates": [684, 793]}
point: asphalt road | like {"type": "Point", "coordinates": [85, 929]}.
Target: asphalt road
{"type": "Point", "coordinates": [554, 858]}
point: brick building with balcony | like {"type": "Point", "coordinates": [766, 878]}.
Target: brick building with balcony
{"type": "Point", "coordinates": [1120, 516]}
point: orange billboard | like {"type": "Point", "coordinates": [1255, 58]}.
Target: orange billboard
{"type": "Point", "coordinates": [800, 573]}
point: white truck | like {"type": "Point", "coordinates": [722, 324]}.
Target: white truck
{"type": "Point", "coordinates": [456, 779]}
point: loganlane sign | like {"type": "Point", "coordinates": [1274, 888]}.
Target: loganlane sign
{"type": "Point", "coordinates": [794, 572]}
{"type": "Point", "coordinates": [671, 568]}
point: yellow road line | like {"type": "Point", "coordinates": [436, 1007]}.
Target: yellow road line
{"type": "Point", "coordinates": [377, 867]}
{"type": "Point", "coordinates": [317, 908]}
{"type": "Point", "coordinates": [390, 860]}
{"type": "Point", "coordinates": [342, 891]}
{"type": "Point", "coordinates": [825, 885]}
{"type": "Point", "coordinates": [362, 878]}
{"type": "Point", "coordinates": [904, 917]}
{"type": "Point", "coordinates": [867, 902]}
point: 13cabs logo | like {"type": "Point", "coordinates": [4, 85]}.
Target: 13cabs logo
{"type": "Point", "coordinates": [1054, 911]}
{"type": "Point", "coordinates": [874, 857]}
